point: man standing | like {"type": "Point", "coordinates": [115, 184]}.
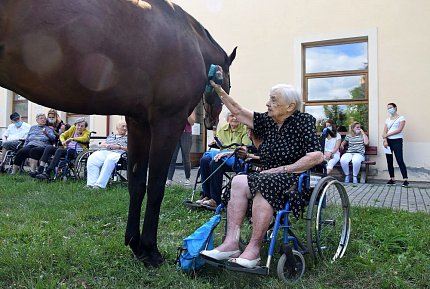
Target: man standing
{"type": "Point", "coordinates": [15, 132]}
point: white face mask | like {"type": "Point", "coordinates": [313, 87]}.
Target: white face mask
{"type": "Point", "coordinates": [391, 110]}
{"type": "Point", "coordinates": [357, 131]}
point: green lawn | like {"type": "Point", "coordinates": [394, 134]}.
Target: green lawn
{"type": "Point", "coordinates": [60, 235]}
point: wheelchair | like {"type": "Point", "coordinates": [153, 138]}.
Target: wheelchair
{"type": "Point", "coordinates": [227, 176]}
{"type": "Point", "coordinates": [66, 168]}
{"type": "Point", "coordinates": [328, 226]}
{"type": "Point", "coordinates": [119, 173]}
{"type": "Point", "coordinates": [9, 158]}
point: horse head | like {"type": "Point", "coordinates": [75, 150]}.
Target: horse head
{"type": "Point", "coordinates": [212, 103]}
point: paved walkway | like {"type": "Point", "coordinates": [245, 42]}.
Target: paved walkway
{"type": "Point", "coordinates": [413, 199]}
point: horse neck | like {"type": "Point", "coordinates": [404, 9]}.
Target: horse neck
{"type": "Point", "coordinates": [212, 52]}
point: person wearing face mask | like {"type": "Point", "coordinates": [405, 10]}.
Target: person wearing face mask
{"type": "Point", "coordinates": [14, 134]}
{"type": "Point", "coordinates": [393, 139]}
{"type": "Point", "coordinates": [56, 124]}
{"type": "Point", "coordinates": [356, 141]}
{"type": "Point", "coordinates": [330, 141]}
{"type": "Point", "coordinates": [76, 138]}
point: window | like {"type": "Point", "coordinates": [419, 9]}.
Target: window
{"type": "Point", "coordinates": [335, 81]}
{"type": "Point", "coordinates": [20, 105]}
{"type": "Point", "coordinates": [72, 117]}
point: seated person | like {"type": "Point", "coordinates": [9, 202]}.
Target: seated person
{"type": "Point", "coordinates": [356, 141]}
{"type": "Point", "coordinates": [76, 138]}
{"type": "Point", "coordinates": [56, 124]}
{"type": "Point", "coordinates": [14, 134]}
{"type": "Point", "coordinates": [39, 136]}
{"type": "Point", "coordinates": [101, 164]}
{"type": "Point", "coordinates": [232, 132]}
{"type": "Point", "coordinates": [290, 146]}
{"type": "Point", "coordinates": [331, 140]}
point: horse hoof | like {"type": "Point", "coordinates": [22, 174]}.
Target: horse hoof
{"type": "Point", "coordinates": [151, 259]}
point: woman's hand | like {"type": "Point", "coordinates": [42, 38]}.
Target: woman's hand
{"type": "Point", "coordinates": [327, 155]}
{"type": "Point", "coordinates": [384, 135]}
{"type": "Point", "coordinates": [385, 143]}
{"type": "Point", "coordinates": [218, 88]}
{"type": "Point", "coordinates": [221, 155]}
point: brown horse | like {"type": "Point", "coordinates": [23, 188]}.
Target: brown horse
{"type": "Point", "coordinates": [147, 60]}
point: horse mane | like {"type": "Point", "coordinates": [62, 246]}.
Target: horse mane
{"type": "Point", "coordinates": [203, 32]}
{"type": "Point", "coordinates": [226, 58]}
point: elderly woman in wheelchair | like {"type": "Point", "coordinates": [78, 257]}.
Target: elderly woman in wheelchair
{"type": "Point", "coordinates": [290, 146]}
{"type": "Point", "coordinates": [73, 140]}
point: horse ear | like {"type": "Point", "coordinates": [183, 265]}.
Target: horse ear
{"type": "Point", "coordinates": [233, 55]}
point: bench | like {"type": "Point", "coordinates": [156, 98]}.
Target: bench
{"type": "Point", "coordinates": [364, 171]}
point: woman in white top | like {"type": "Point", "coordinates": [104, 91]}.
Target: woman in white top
{"type": "Point", "coordinates": [393, 139]}
{"type": "Point", "coordinates": [331, 145]}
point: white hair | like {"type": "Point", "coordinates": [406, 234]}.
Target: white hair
{"type": "Point", "coordinates": [226, 113]}
{"type": "Point", "coordinates": [289, 93]}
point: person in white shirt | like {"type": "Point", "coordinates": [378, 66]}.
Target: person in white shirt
{"type": "Point", "coordinates": [393, 140]}
{"type": "Point", "coordinates": [331, 145]}
{"type": "Point", "coordinates": [14, 133]}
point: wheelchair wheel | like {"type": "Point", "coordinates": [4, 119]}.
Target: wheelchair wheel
{"type": "Point", "coordinates": [287, 274]}
{"type": "Point", "coordinates": [81, 165]}
{"type": "Point", "coordinates": [328, 222]}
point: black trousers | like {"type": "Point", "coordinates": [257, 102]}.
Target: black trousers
{"type": "Point", "coordinates": [396, 146]}
{"type": "Point", "coordinates": [31, 151]}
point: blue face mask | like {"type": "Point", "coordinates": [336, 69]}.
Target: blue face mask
{"type": "Point", "coordinates": [391, 110]}
{"type": "Point", "coordinates": [18, 124]}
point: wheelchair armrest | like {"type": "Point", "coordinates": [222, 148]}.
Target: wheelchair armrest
{"type": "Point", "coordinates": [213, 145]}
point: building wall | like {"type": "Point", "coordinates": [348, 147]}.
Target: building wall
{"type": "Point", "coordinates": [266, 34]}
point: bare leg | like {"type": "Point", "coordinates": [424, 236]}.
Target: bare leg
{"type": "Point", "coordinates": [15, 169]}
{"type": "Point", "coordinates": [236, 211]}
{"type": "Point", "coordinates": [33, 164]}
{"type": "Point", "coordinates": [262, 213]}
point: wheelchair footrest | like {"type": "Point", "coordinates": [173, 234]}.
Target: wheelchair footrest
{"type": "Point", "coordinates": [234, 267]}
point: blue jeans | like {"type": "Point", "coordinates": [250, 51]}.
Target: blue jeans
{"type": "Point", "coordinates": [212, 187]}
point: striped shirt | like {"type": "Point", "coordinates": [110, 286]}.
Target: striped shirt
{"type": "Point", "coordinates": [120, 140]}
{"type": "Point", "coordinates": [355, 144]}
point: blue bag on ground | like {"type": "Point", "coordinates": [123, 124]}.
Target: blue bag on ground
{"type": "Point", "coordinates": [189, 259]}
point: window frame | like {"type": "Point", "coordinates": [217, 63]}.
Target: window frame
{"type": "Point", "coordinates": [364, 73]}
{"type": "Point", "coordinates": [15, 101]}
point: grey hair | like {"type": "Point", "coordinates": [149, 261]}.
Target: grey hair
{"type": "Point", "coordinates": [289, 93]}
{"type": "Point", "coordinates": [40, 114]}
{"type": "Point", "coordinates": [227, 113]}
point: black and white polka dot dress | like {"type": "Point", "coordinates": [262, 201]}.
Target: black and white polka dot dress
{"type": "Point", "coordinates": [282, 146]}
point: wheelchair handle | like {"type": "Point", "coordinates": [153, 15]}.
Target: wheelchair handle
{"type": "Point", "coordinates": [221, 146]}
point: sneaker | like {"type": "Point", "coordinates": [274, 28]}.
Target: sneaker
{"type": "Point", "coordinates": [187, 182]}
{"type": "Point", "coordinates": [391, 182]}
{"type": "Point", "coordinates": [168, 183]}
{"type": "Point", "coordinates": [33, 174]}
{"type": "Point", "coordinates": [354, 180]}
{"type": "Point", "coordinates": [405, 184]}
{"type": "Point", "coordinates": [42, 176]}
{"type": "Point", "coordinates": [346, 179]}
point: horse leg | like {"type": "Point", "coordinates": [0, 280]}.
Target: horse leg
{"type": "Point", "coordinates": [139, 139]}
{"type": "Point", "coordinates": [165, 134]}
